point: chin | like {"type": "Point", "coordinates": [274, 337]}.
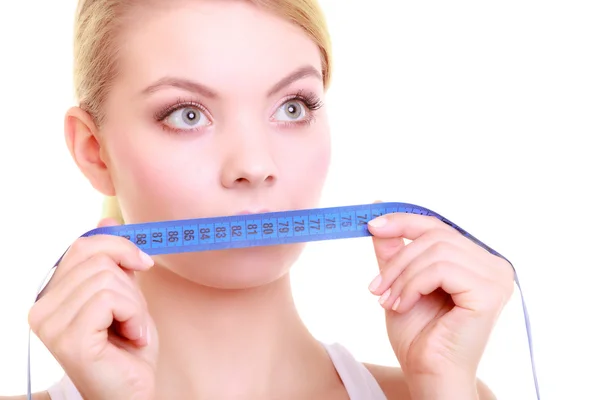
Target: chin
{"type": "Point", "coordinates": [235, 268]}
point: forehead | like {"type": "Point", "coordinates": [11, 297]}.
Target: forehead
{"type": "Point", "coordinates": [230, 45]}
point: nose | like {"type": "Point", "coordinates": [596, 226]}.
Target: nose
{"type": "Point", "coordinates": [249, 161]}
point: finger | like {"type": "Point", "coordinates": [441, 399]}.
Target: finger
{"type": "Point", "coordinates": [393, 266]}
{"type": "Point", "coordinates": [98, 314]}
{"type": "Point", "coordinates": [406, 269]}
{"type": "Point", "coordinates": [64, 276]}
{"type": "Point", "coordinates": [74, 290]}
{"type": "Point", "coordinates": [421, 253]}
{"type": "Point", "coordinates": [50, 321]}
{"type": "Point", "coordinates": [408, 226]}
{"type": "Point", "coordinates": [88, 331]}
{"type": "Point", "coordinates": [105, 222]}
{"type": "Point", "coordinates": [386, 248]}
{"type": "Point", "coordinates": [122, 251]}
{"type": "Point", "coordinates": [96, 264]}
{"type": "Point", "coordinates": [463, 285]}
{"type": "Point", "coordinates": [401, 256]}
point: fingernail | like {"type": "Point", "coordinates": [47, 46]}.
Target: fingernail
{"type": "Point", "coordinates": [384, 296]}
{"type": "Point", "coordinates": [375, 284]}
{"type": "Point", "coordinates": [146, 259]}
{"type": "Point", "coordinates": [378, 222]}
{"type": "Point", "coordinates": [396, 304]}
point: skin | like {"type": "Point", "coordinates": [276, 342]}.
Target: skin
{"type": "Point", "coordinates": [184, 322]}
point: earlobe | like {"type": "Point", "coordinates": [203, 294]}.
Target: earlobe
{"type": "Point", "coordinates": [81, 136]}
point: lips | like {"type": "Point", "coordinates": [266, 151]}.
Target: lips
{"type": "Point", "coordinates": [257, 211]}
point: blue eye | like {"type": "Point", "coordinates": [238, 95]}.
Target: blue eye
{"type": "Point", "coordinates": [293, 110]}
{"type": "Point", "coordinates": [186, 118]}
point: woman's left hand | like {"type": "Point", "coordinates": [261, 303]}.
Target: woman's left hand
{"type": "Point", "coordinates": [442, 294]}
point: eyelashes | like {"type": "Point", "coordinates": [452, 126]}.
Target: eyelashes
{"type": "Point", "coordinates": [310, 99]}
{"type": "Point", "coordinates": [165, 112]}
{"type": "Point", "coordinates": [309, 102]}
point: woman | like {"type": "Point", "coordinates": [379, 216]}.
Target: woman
{"type": "Point", "coordinates": [194, 109]}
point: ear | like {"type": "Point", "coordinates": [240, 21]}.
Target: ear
{"type": "Point", "coordinates": [81, 135]}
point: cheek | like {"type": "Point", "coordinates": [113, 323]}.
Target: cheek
{"type": "Point", "coordinates": [150, 179]}
{"type": "Point", "coordinates": [307, 165]}
{"type": "Point", "coordinates": [319, 166]}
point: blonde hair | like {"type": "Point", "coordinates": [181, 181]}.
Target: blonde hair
{"type": "Point", "coordinates": [97, 26]}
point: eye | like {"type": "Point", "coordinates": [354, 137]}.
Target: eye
{"type": "Point", "coordinates": [293, 110]}
{"type": "Point", "coordinates": [187, 118]}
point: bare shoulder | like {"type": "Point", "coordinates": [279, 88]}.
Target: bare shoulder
{"type": "Point", "coordinates": [34, 396]}
{"type": "Point", "coordinates": [393, 383]}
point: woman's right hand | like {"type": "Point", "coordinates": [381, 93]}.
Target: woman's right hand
{"type": "Point", "coordinates": [93, 318]}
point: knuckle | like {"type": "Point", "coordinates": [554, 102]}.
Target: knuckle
{"type": "Point", "coordinates": [391, 273]}
{"type": "Point", "coordinates": [439, 267]}
{"type": "Point", "coordinates": [504, 272]}
{"type": "Point", "coordinates": [434, 221]}
{"type": "Point", "coordinates": [446, 234]}
{"type": "Point", "coordinates": [495, 296]}
{"type": "Point", "coordinates": [497, 299]}
{"type": "Point", "coordinates": [437, 233]}
{"type": "Point", "coordinates": [437, 237]}
{"type": "Point", "coordinates": [79, 245]}
{"type": "Point", "coordinates": [46, 334]}
{"type": "Point", "coordinates": [507, 269]}
{"type": "Point", "coordinates": [103, 261]}
{"type": "Point", "coordinates": [510, 289]}
{"type": "Point", "coordinates": [506, 291]}
{"type": "Point", "coordinates": [34, 318]}
{"type": "Point", "coordinates": [104, 297]}
{"type": "Point", "coordinates": [502, 294]}
{"type": "Point", "coordinates": [509, 286]}
{"type": "Point", "coordinates": [441, 248]}
{"type": "Point", "coordinates": [45, 331]}
{"type": "Point", "coordinates": [398, 284]}
{"type": "Point", "coordinates": [430, 235]}
{"type": "Point", "coordinates": [106, 278]}
{"type": "Point", "coordinates": [436, 267]}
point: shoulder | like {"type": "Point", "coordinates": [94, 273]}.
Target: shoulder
{"type": "Point", "coordinates": [34, 396]}
{"type": "Point", "coordinates": [394, 386]}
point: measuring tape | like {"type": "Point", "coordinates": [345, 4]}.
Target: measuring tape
{"type": "Point", "coordinates": [274, 228]}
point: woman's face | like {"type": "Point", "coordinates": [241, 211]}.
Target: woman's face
{"type": "Point", "coordinates": [217, 110]}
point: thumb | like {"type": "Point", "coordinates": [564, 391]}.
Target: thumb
{"type": "Point", "coordinates": [104, 222]}
{"type": "Point", "coordinates": [386, 248]}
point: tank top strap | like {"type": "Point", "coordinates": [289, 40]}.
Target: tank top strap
{"type": "Point", "coordinates": [357, 379]}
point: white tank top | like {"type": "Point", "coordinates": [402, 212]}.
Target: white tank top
{"type": "Point", "coordinates": [357, 379]}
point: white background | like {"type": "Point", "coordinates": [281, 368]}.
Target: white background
{"type": "Point", "coordinates": [486, 112]}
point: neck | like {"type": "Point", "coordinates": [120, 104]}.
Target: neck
{"type": "Point", "coordinates": [231, 343]}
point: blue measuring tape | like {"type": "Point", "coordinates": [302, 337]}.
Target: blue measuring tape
{"type": "Point", "coordinates": [274, 228]}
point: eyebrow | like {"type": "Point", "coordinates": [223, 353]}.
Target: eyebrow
{"type": "Point", "coordinates": [301, 73]}
{"type": "Point", "coordinates": [196, 87]}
